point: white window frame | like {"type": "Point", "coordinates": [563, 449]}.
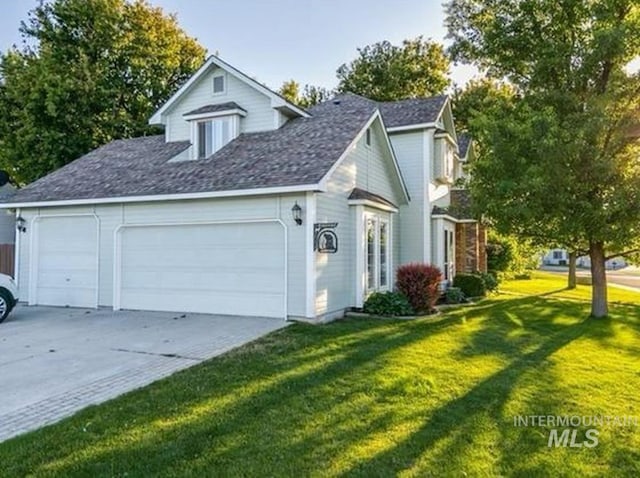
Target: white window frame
{"type": "Point", "coordinates": [224, 84]}
{"type": "Point", "coordinates": [234, 126]}
{"type": "Point", "coordinates": [377, 220]}
{"type": "Point", "coordinates": [447, 160]}
{"type": "Point", "coordinates": [449, 253]}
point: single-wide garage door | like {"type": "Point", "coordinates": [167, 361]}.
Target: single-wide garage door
{"type": "Point", "coordinates": [235, 269]}
{"type": "Point", "coordinates": [66, 261]}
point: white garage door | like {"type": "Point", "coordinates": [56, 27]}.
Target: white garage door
{"type": "Point", "coordinates": [235, 269]}
{"type": "Point", "coordinates": [66, 261]}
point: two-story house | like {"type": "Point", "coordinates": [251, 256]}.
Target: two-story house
{"type": "Point", "coordinates": [250, 205]}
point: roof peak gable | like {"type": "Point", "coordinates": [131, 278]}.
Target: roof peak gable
{"type": "Point", "coordinates": [213, 61]}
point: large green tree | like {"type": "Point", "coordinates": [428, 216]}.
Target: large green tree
{"type": "Point", "coordinates": [485, 97]}
{"type": "Point", "coordinates": [476, 97]}
{"type": "Point", "coordinates": [386, 72]}
{"type": "Point", "coordinates": [92, 71]}
{"type": "Point", "coordinates": [560, 161]}
{"type": "Point", "coordinates": [307, 97]}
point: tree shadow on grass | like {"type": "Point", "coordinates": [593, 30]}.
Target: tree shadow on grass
{"type": "Point", "coordinates": [515, 326]}
{"type": "Point", "coordinates": [487, 398]}
{"type": "Point", "coordinates": [295, 403]}
{"type": "Point", "coordinates": [125, 431]}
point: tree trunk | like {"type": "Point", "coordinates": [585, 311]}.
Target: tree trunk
{"type": "Point", "coordinates": [571, 281]}
{"type": "Point", "coordinates": [599, 303]}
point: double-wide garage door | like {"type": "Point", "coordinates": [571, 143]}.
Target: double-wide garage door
{"type": "Point", "coordinates": [235, 269]}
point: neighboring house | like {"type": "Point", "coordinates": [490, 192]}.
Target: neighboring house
{"type": "Point", "coordinates": [560, 257]}
{"type": "Point", "coordinates": [7, 229]}
{"type": "Point", "coordinates": [250, 205]}
{"type": "Point", "coordinates": [556, 257]}
{"type": "Point", "coordinates": [613, 264]}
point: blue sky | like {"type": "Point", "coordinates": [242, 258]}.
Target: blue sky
{"type": "Point", "coordinates": [277, 40]}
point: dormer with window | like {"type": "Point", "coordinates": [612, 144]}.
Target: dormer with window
{"type": "Point", "coordinates": [217, 104]}
{"type": "Point", "coordinates": [445, 158]}
{"type": "Point", "coordinates": [213, 126]}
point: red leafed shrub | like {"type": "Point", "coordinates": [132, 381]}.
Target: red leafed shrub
{"type": "Point", "coordinates": [420, 284]}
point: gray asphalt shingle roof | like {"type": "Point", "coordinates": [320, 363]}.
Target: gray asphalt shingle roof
{"type": "Point", "coordinates": [299, 153]}
{"type": "Point", "coordinates": [460, 206]}
{"type": "Point", "coordinates": [229, 105]}
{"type": "Point", "coordinates": [412, 111]}
{"type": "Point", "coordinates": [464, 140]}
{"type": "Point", "coordinates": [358, 193]}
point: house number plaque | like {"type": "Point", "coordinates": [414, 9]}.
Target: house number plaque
{"type": "Point", "coordinates": [325, 239]}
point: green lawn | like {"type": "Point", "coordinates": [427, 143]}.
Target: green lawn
{"type": "Point", "coordinates": [429, 397]}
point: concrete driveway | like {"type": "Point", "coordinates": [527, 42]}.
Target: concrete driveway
{"type": "Point", "coordinates": [56, 361]}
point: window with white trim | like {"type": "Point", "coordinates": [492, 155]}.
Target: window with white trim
{"type": "Point", "coordinates": [377, 251]}
{"type": "Point", "coordinates": [449, 160]}
{"type": "Point", "coordinates": [449, 259]}
{"type": "Point", "coordinates": [211, 135]}
{"type": "Point", "coordinates": [383, 251]}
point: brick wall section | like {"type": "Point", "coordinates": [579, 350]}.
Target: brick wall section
{"type": "Point", "coordinates": [461, 256]}
{"type": "Point", "coordinates": [472, 247]}
{"type": "Point", "coordinates": [482, 246]}
{"type": "Point", "coordinates": [471, 242]}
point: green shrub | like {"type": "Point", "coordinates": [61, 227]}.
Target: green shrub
{"type": "Point", "coordinates": [420, 283]}
{"type": "Point", "coordinates": [491, 281]}
{"type": "Point", "coordinates": [511, 255]}
{"type": "Point", "coordinates": [472, 285]}
{"type": "Point", "coordinates": [524, 276]}
{"type": "Point", "coordinates": [387, 303]}
{"type": "Point", "coordinates": [454, 295]}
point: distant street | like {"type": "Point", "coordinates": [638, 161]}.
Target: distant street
{"type": "Point", "coordinates": [629, 276]}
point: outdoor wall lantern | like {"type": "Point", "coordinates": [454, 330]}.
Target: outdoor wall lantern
{"type": "Point", "coordinates": [296, 211]}
{"type": "Point", "coordinates": [21, 224]}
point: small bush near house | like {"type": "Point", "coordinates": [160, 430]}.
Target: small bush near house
{"type": "Point", "coordinates": [472, 285]}
{"type": "Point", "coordinates": [491, 281]}
{"type": "Point", "coordinates": [388, 303]}
{"type": "Point", "coordinates": [454, 295]}
{"type": "Point", "coordinates": [420, 284]}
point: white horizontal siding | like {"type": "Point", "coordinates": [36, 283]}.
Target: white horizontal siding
{"type": "Point", "coordinates": [369, 168]}
{"type": "Point", "coordinates": [260, 116]}
{"type": "Point", "coordinates": [111, 216]}
{"type": "Point", "coordinates": [374, 167]}
{"type": "Point", "coordinates": [413, 218]}
{"type": "Point", "coordinates": [335, 273]}
{"type": "Point", "coordinates": [170, 212]}
{"type": "Point", "coordinates": [396, 248]}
